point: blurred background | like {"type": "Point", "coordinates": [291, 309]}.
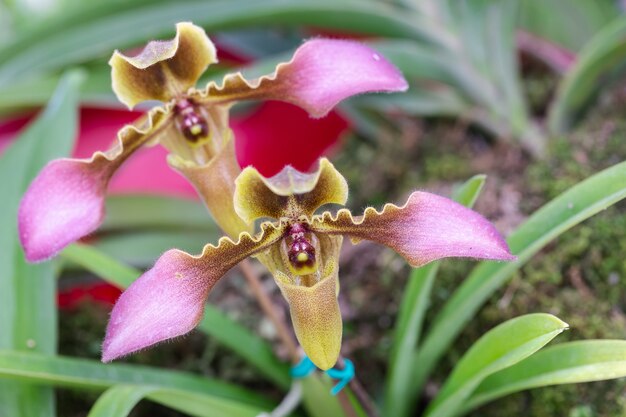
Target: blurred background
{"type": "Point", "coordinates": [529, 92]}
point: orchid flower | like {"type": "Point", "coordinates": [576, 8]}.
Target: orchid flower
{"type": "Point", "coordinates": [66, 201]}
{"type": "Point", "coordinates": [301, 250]}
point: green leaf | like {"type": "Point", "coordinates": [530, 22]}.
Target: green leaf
{"type": "Point", "coordinates": [92, 32]}
{"type": "Point", "coordinates": [474, 77]}
{"type": "Point", "coordinates": [601, 62]}
{"type": "Point", "coordinates": [501, 347]}
{"type": "Point", "coordinates": [142, 248]}
{"type": "Point", "coordinates": [250, 347]}
{"type": "Point", "coordinates": [139, 228]}
{"type": "Point", "coordinates": [406, 336]}
{"type": "Point", "coordinates": [27, 291]}
{"type": "Point", "coordinates": [486, 31]}
{"type": "Point", "coordinates": [430, 100]}
{"type": "Point", "coordinates": [257, 43]}
{"type": "Point", "coordinates": [566, 363]}
{"type": "Point", "coordinates": [468, 192]}
{"type": "Point", "coordinates": [411, 316]}
{"type": "Point", "coordinates": [119, 400]}
{"type": "Point", "coordinates": [187, 393]}
{"type": "Point", "coordinates": [317, 399]}
{"type": "Point", "coordinates": [100, 264]}
{"type": "Point", "coordinates": [564, 212]}
{"type": "Point", "coordinates": [579, 20]}
{"type": "Point", "coordinates": [215, 323]}
{"type": "Point", "coordinates": [34, 92]}
{"type": "Point", "coordinates": [157, 212]}
{"type": "Point", "coordinates": [204, 406]}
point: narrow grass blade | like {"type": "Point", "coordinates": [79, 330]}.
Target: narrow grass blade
{"type": "Point", "coordinates": [27, 291]}
{"type": "Point", "coordinates": [119, 400]}
{"type": "Point", "coordinates": [468, 192]}
{"type": "Point", "coordinates": [411, 316]}
{"type": "Point", "coordinates": [578, 21]}
{"type": "Point", "coordinates": [94, 31]}
{"type": "Point", "coordinates": [187, 393]}
{"type": "Point", "coordinates": [139, 211]}
{"type": "Point", "coordinates": [143, 247]}
{"type": "Point", "coordinates": [317, 399]}
{"type": "Point", "coordinates": [599, 63]}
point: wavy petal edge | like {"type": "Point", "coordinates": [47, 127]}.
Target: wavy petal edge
{"type": "Point", "coordinates": [357, 228]}
{"type": "Point", "coordinates": [143, 318]}
{"type": "Point", "coordinates": [316, 101]}
{"type": "Point", "coordinates": [65, 202]}
{"type": "Point", "coordinates": [138, 78]}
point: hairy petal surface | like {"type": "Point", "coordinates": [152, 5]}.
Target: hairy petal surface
{"type": "Point", "coordinates": [290, 193]}
{"type": "Point", "coordinates": [168, 300]}
{"type": "Point", "coordinates": [428, 227]}
{"type": "Point", "coordinates": [65, 202]}
{"type": "Point", "coordinates": [165, 302]}
{"type": "Point", "coordinates": [321, 73]}
{"type": "Point", "coordinates": [316, 316]}
{"type": "Point", "coordinates": [163, 69]}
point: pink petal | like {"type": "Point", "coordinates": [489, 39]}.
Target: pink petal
{"type": "Point", "coordinates": [428, 227]}
{"type": "Point", "coordinates": [66, 200]}
{"type": "Point", "coordinates": [321, 74]}
{"type": "Point", "coordinates": [325, 71]}
{"type": "Point", "coordinates": [168, 300]}
{"type": "Point", "coordinates": [165, 302]}
{"type": "Point", "coordinates": [64, 203]}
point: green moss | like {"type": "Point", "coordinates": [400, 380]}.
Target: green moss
{"type": "Point", "coordinates": [581, 278]}
{"type": "Point", "coordinates": [389, 169]}
{"type": "Point", "coordinates": [448, 167]}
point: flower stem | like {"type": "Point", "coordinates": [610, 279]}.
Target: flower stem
{"type": "Point", "coordinates": [361, 395]}
{"type": "Point", "coordinates": [267, 306]}
{"type": "Point", "coordinates": [346, 404]}
{"type": "Point", "coordinates": [364, 398]}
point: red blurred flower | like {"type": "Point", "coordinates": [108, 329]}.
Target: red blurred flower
{"type": "Point", "coordinates": [280, 134]}
{"type": "Point", "coordinates": [285, 130]}
{"type": "Point", "coordinates": [99, 292]}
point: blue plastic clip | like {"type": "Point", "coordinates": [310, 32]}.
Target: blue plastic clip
{"type": "Point", "coordinates": [303, 369]}
{"type": "Point", "coordinates": [344, 376]}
